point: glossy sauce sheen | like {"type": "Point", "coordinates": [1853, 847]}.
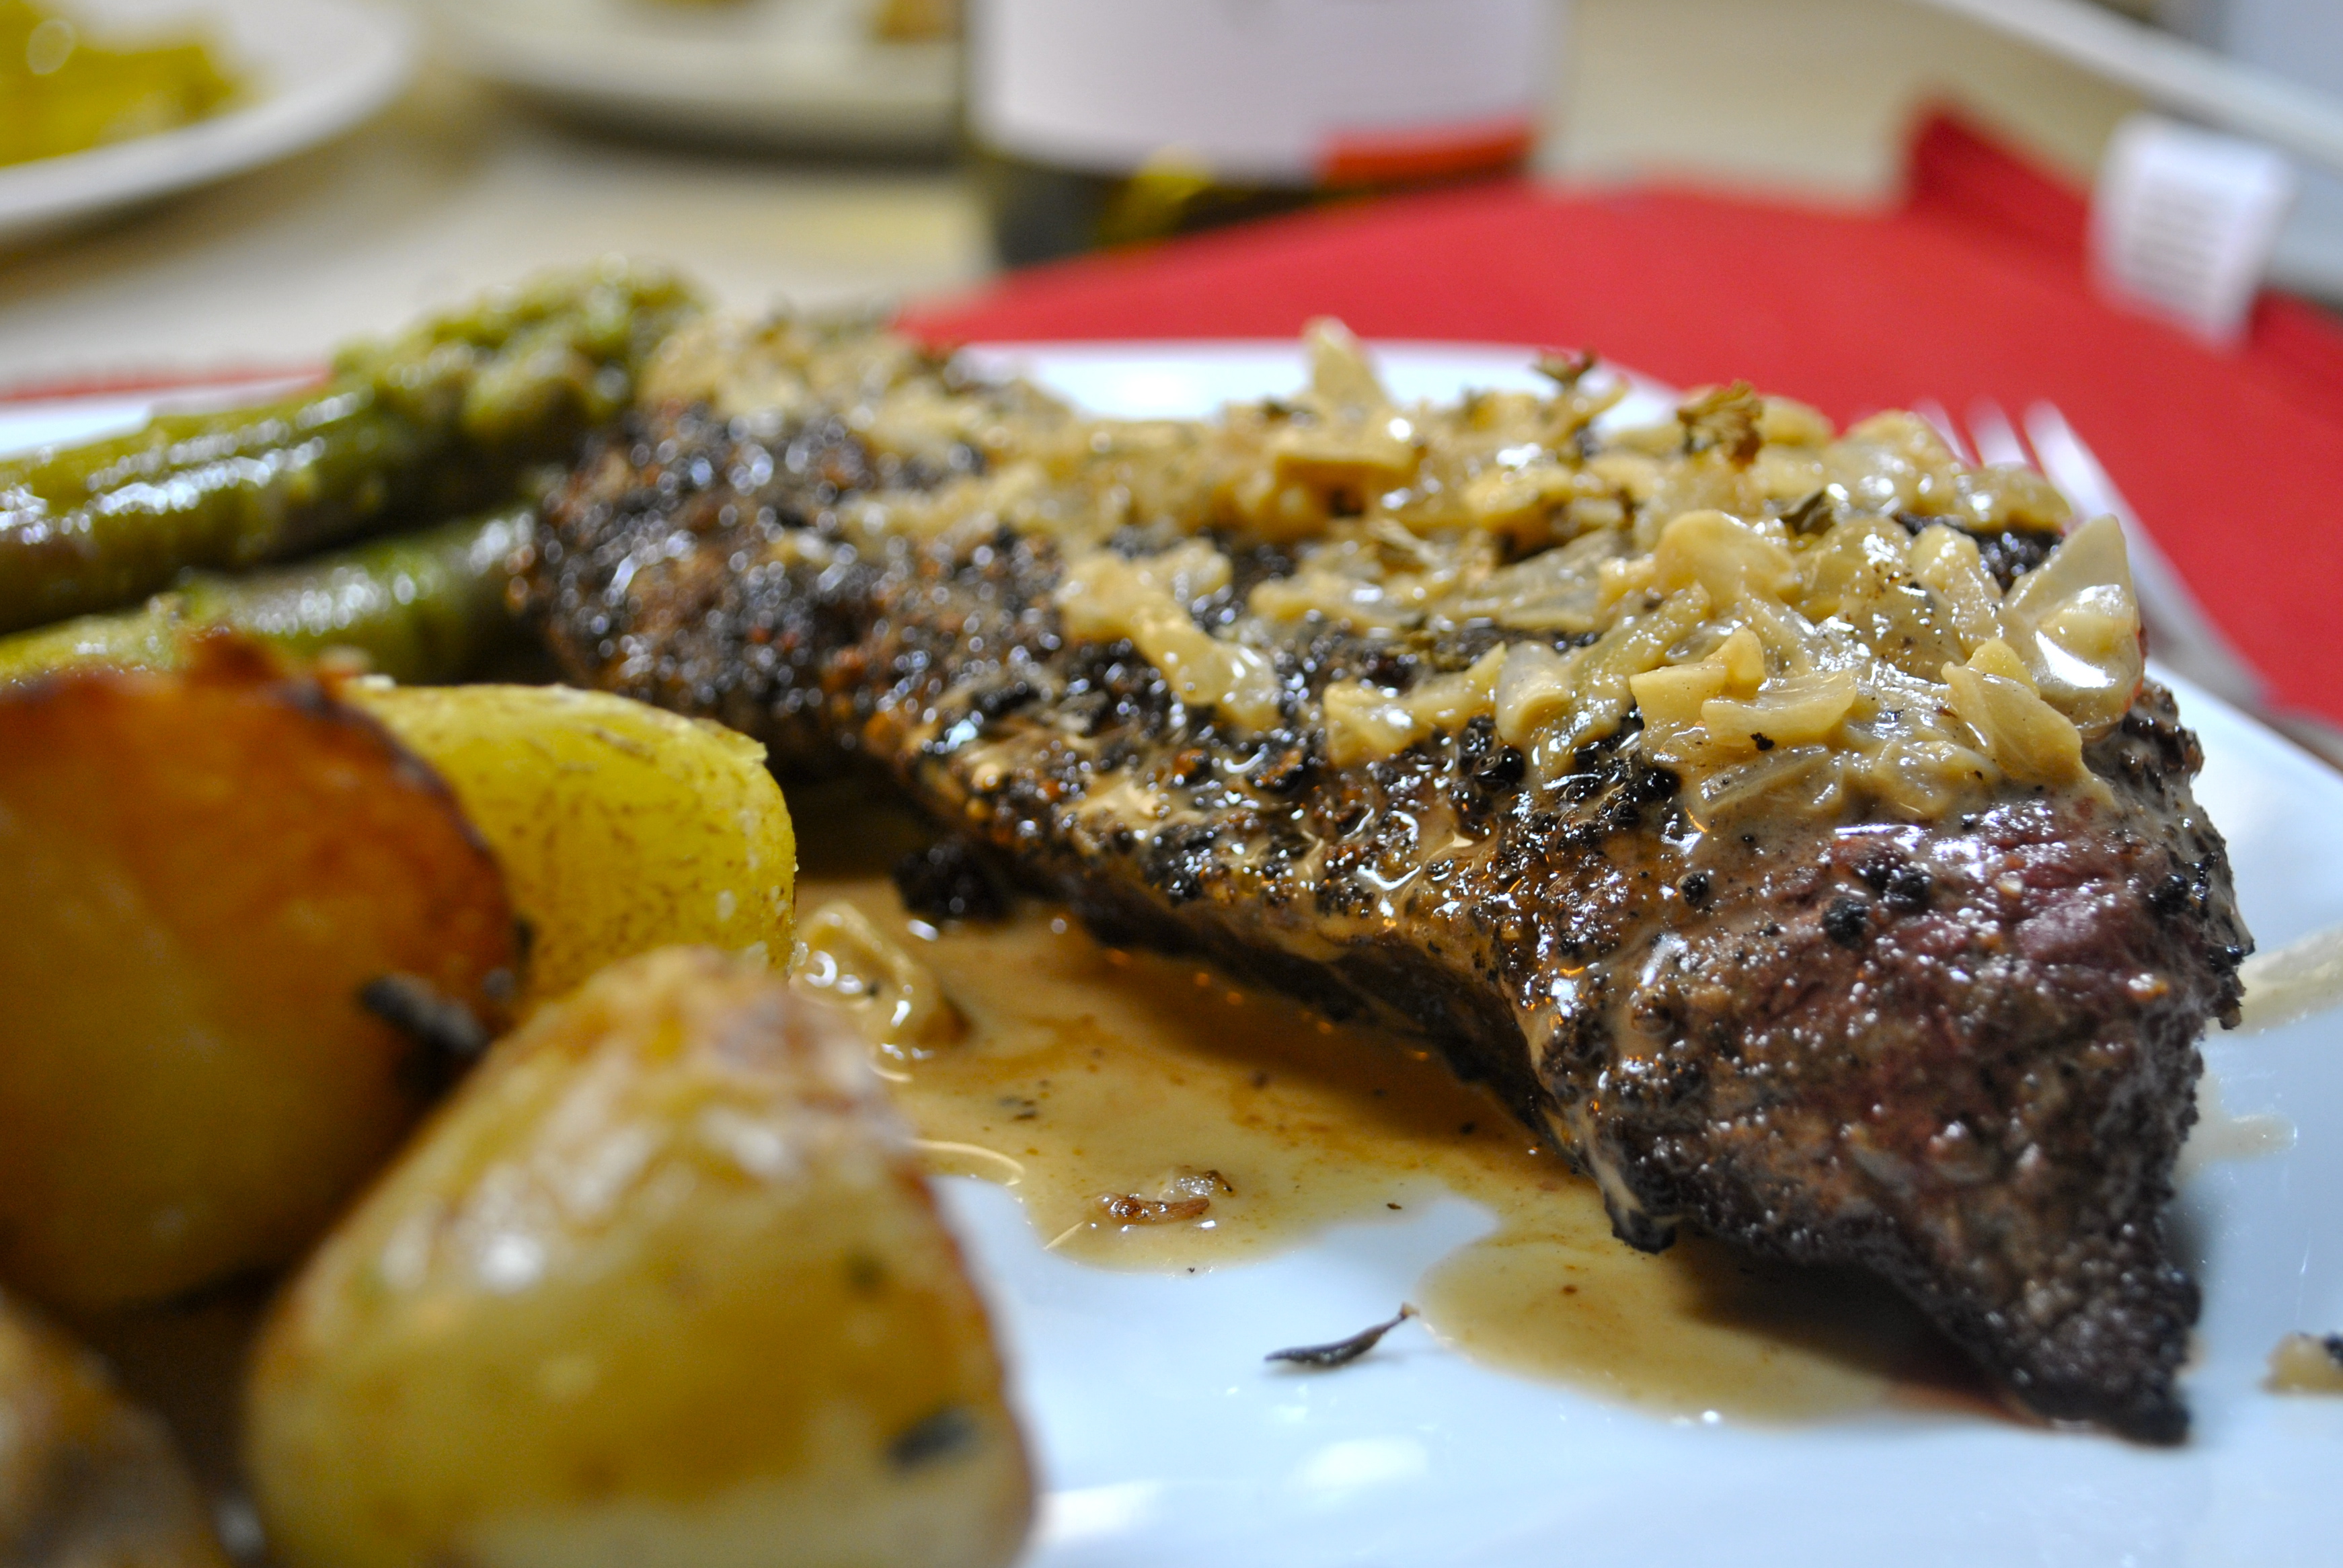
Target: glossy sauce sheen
{"type": "Point", "coordinates": [1084, 1073]}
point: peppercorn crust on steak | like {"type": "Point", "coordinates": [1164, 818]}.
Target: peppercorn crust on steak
{"type": "Point", "coordinates": [1778, 816]}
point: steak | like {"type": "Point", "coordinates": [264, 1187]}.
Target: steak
{"type": "Point", "coordinates": [1895, 959]}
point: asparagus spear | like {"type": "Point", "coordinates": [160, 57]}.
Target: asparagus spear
{"type": "Point", "coordinates": [422, 607]}
{"type": "Point", "coordinates": [439, 417]}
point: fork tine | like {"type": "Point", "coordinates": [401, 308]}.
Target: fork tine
{"type": "Point", "coordinates": [2075, 471]}
{"type": "Point", "coordinates": [1997, 441]}
{"type": "Point", "coordinates": [1941, 421]}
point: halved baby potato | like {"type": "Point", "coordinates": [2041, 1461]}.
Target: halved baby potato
{"type": "Point", "coordinates": [202, 872]}
{"type": "Point", "coordinates": [661, 1283]}
{"type": "Point", "coordinates": [86, 1479]}
{"type": "Point", "coordinates": [620, 827]}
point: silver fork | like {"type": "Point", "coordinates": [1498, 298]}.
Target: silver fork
{"type": "Point", "coordinates": [2180, 634]}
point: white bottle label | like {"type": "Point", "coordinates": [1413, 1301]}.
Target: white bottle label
{"type": "Point", "coordinates": [1273, 92]}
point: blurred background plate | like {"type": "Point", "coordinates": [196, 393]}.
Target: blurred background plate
{"type": "Point", "coordinates": [314, 69]}
{"type": "Point", "coordinates": [785, 72]}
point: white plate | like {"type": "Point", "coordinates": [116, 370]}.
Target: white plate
{"type": "Point", "coordinates": [773, 71]}
{"type": "Point", "coordinates": [315, 68]}
{"type": "Point", "coordinates": [1165, 1443]}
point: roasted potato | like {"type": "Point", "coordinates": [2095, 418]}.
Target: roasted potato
{"type": "Point", "coordinates": [661, 1283]}
{"type": "Point", "coordinates": [202, 870]}
{"type": "Point", "coordinates": [620, 827]}
{"type": "Point", "coordinates": [86, 1480]}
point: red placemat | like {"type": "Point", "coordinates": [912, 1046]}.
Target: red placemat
{"type": "Point", "coordinates": [1974, 287]}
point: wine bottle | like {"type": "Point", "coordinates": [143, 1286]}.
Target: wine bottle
{"type": "Point", "coordinates": [1105, 122]}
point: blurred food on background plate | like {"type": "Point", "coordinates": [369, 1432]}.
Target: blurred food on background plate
{"type": "Point", "coordinates": [68, 86]}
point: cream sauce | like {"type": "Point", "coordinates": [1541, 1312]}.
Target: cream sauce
{"type": "Point", "coordinates": [2222, 1134]}
{"type": "Point", "coordinates": [2299, 979]}
{"type": "Point", "coordinates": [1114, 1090]}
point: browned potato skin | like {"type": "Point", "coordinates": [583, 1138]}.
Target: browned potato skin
{"type": "Point", "coordinates": [201, 871]}
{"type": "Point", "coordinates": [86, 1481]}
{"type": "Point", "coordinates": [660, 1284]}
